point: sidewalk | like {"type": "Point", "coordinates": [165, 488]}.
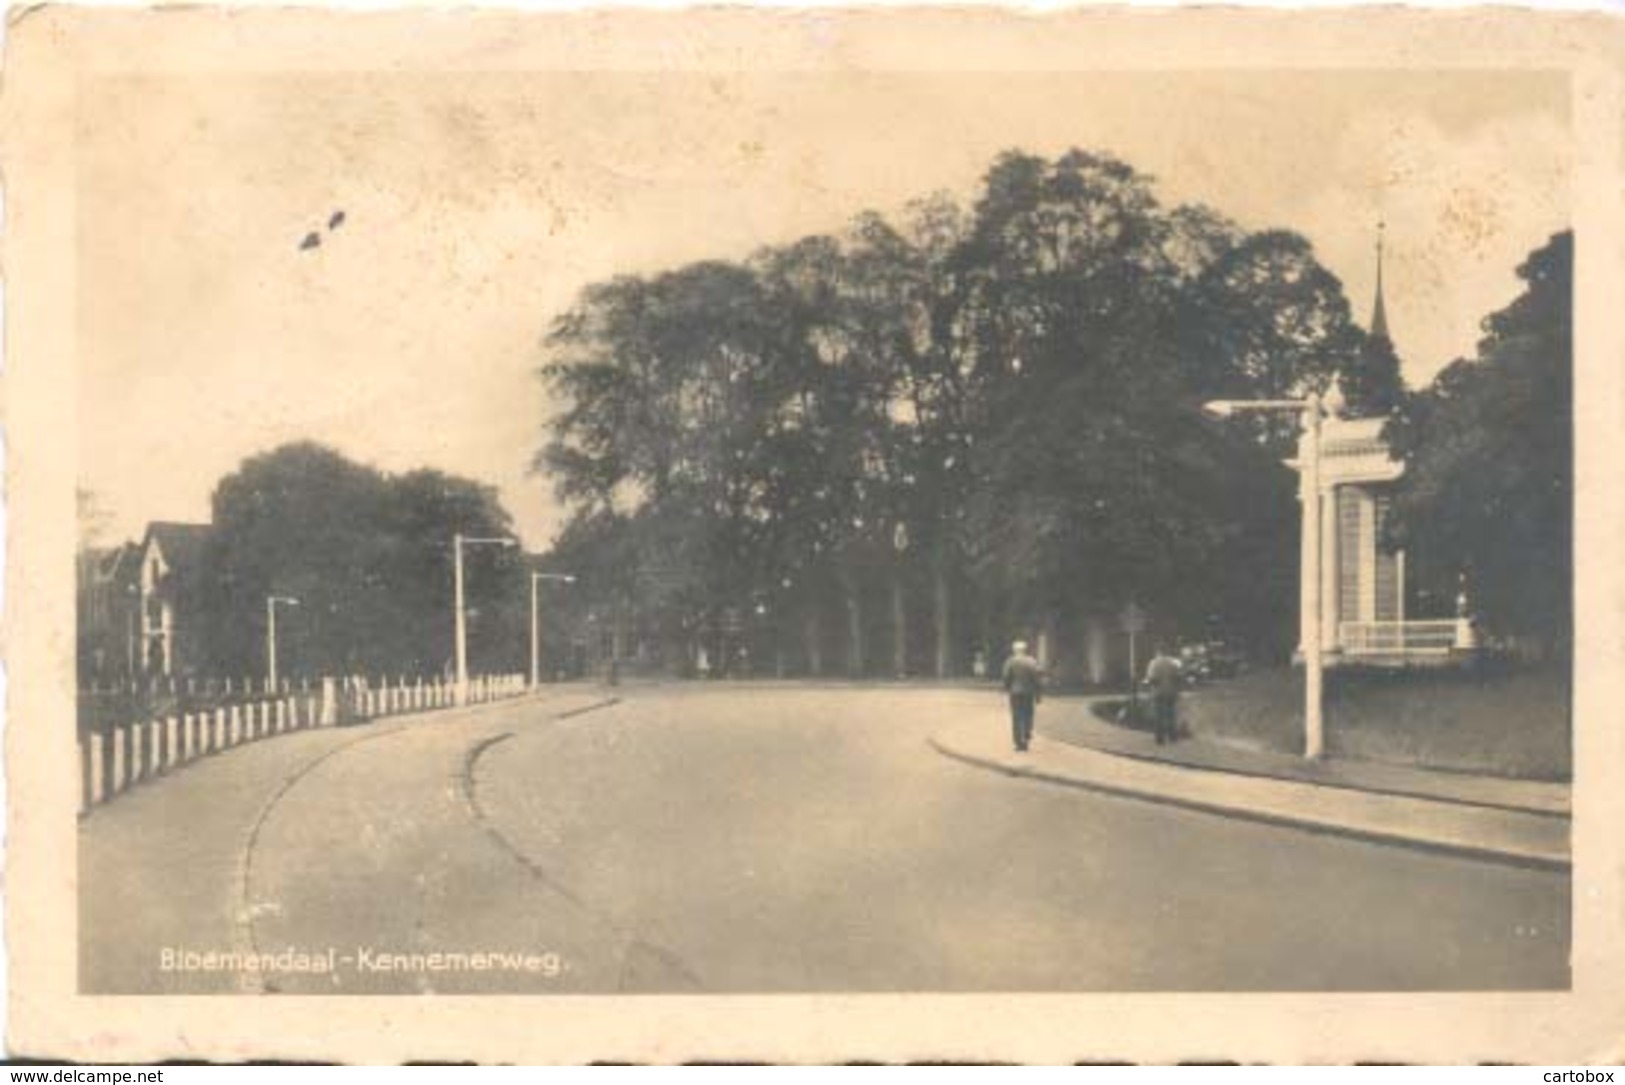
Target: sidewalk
{"type": "Point", "coordinates": [1072, 722]}
{"type": "Point", "coordinates": [1516, 822]}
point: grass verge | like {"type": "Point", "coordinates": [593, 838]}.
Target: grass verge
{"type": "Point", "coordinates": [1505, 722]}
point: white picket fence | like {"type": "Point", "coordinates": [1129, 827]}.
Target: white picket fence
{"type": "Point", "coordinates": [117, 758]}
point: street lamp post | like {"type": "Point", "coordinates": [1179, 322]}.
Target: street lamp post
{"type": "Point", "coordinates": [271, 602]}
{"type": "Point", "coordinates": [535, 624]}
{"type": "Point", "coordinates": [460, 691]}
{"type": "Point", "coordinates": [1309, 410]}
{"type": "Point", "coordinates": [899, 613]}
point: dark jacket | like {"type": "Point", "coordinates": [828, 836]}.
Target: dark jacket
{"type": "Point", "coordinates": [1022, 676]}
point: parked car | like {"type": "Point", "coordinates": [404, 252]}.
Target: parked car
{"type": "Point", "coordinates": [1206, 660]}
{"type": "Point", "coordinates": [1224, 660]}
{"type": "Point", "coordinates": [1193, 662]}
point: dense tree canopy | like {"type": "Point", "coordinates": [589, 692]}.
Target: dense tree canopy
{"type": "Point", "coordinates": [369, 557]}
{"type": "Point", "coordinates": [1489, 462]}
{"type": "Point", "coordinates": [1000, 400]}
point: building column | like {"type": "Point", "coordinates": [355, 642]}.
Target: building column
{"type": "Point", "coordinates": [1399, 596]}
{"type": "Point", "coordinates": [1399, 586]}
{"type": "Point", "coordinates": [1330, 573]}
{"type": "Point", "coordinates": [1368, 557]}
{"type": "Point", "coordinates": [1306, 562]}
{"type": "Point", "coordinates": [1095, 648]}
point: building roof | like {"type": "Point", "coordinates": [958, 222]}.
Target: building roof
{"type": "Point", "coordinates": [1352, 450]}
{"type": "Point", "coordinates": [182, 544]}
{"type": "Point", "coordinates": [1352, 436]}
{"type": "Point", "coordinates": [119, 561]}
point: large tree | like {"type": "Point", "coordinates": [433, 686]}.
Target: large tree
{"type": "Point", "coordinates": [369, 557]}
{"type": "Point", "coordinates": [1487, 502]}
{"type": "Point", "coordinates": [1000, 399]}
{"type": "Point", "coordinates": [1266, 319]}
{"type": "Point", "coordinates": [677, 390]}
{"type": "Point", "coordinates": [1096, 480]}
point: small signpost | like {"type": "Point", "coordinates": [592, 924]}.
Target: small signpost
{"type": "Point", "coordinates": [1132, 619]}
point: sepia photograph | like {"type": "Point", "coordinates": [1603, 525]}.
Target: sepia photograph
{"type": "Point", "coordinates": [713, 527]}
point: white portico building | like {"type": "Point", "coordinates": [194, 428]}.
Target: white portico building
{"type": "Point", "coordinates": [1364, 615]}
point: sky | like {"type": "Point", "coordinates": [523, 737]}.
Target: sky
{"type": "Point", "coordinates": [477, 207]}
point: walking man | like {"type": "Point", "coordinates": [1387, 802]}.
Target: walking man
{"type": "Point", "coordinates": [1024, 682]}
{"type": "Point", "coordinates": [1165, 676]}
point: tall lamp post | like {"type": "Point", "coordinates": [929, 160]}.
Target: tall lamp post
{"type": "Point", "coordinates": [535, 623]}
{"type": "Point", "coordinates": [271, 602]}
{"type": "Point", "coordinates": [459, 541]}
{"type": "Point", "coordinates": [1309, 411]}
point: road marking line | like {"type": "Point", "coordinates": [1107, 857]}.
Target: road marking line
{"type": "Point", "coordinates": [243, 914]}
{"type": "Point", "coordinates": [631, 944]}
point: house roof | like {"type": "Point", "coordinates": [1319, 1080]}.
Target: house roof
{"type": "Point", "coordinates": [182, 544]}
{"type": "Point", "coordinates": [119, 561]}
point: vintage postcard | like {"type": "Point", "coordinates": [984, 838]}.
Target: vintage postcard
{"type": "Point", "coordinates": [814, 535]}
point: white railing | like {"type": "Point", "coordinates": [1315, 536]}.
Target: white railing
{"type": "Point", "coordinates": [114, 758]}
{"type": "Point", "coordinates": [1405, 638]}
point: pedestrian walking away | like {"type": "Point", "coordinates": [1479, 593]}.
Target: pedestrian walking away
{"type": "Point", "coordinates": [1024, 682]}
{"type": "Point", "coordinates": [1165, 676]}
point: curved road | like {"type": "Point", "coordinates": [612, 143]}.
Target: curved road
{"type": "Point", "coordinates": [750, 839]}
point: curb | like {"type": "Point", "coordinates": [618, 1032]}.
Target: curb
{"type": "Point", "coordinates": [1483, 853]}
{"type": "Point", "coordinates": [1334, 785]}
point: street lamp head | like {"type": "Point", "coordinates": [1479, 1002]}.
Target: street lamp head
{"type": "Point", "coordinates": [1224, 408]}
{"type": "Point", "coordinates": [478, 540]}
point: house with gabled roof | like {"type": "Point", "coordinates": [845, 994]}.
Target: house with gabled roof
{"type": "Point", "coordinates": [108, 609]}
{"type": "Point", "coordinates": [169, 586]}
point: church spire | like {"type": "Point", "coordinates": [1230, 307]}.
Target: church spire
{"type": "Point", "coordinates": [1379, 314]}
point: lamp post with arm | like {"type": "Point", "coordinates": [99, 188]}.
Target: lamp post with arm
{"type": "Point", "coordinates": [535, 623]}
{"type": "Point", "coordinates": [459, 541]}
{"type": "Point", "coordinates": [1309, 411]}
{"type": "Point", "coordinates": [271, 602]}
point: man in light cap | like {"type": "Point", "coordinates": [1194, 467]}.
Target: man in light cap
{"type": "Point", "coordinates": [1024, 682]}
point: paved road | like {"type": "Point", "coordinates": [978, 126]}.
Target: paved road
{"type": "Point", "coordinates": [754, 839]}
